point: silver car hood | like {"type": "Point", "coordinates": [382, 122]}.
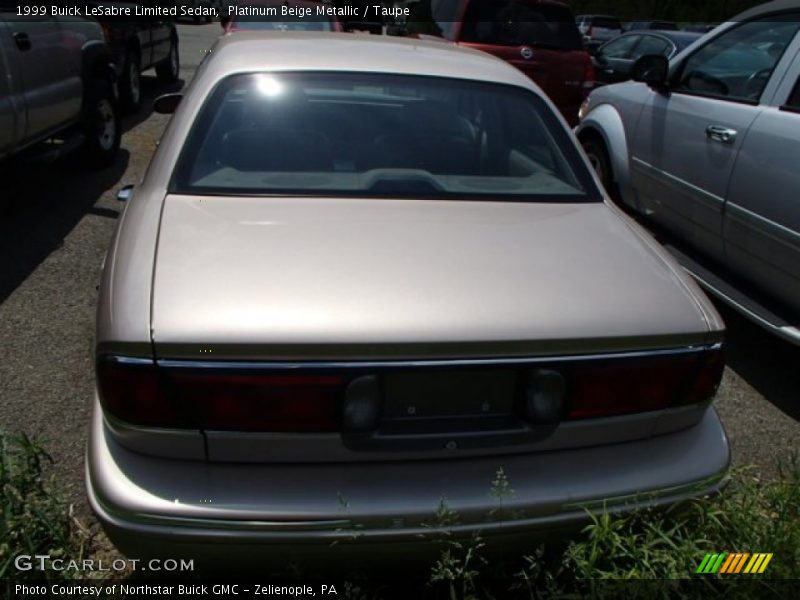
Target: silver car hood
{"type": "Point", "coordinates": [321, 278]}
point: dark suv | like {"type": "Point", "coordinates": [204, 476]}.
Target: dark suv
{"type": "Point", "coordinates": [539, 37]}
{"type": "Point", "coordinates": [139, 44]}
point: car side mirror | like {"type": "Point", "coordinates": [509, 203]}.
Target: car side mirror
{"type": "Point", "coordinates": [652, 69]}
{"type": "Point", "coordinates": [167, 103]}
{"type": "Point", "coordinates": [125, 193]}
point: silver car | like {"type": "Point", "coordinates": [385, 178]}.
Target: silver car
{"type": "Point", "coordinates": [365, 276]}
{"type": "Point", "coordinates": [707, 148]}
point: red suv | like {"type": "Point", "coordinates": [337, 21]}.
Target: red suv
{"type": "Point", "coordinates": [539, 37]}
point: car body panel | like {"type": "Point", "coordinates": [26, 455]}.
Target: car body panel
{"type": "Point", "coordinates": [714, 195]}
{"type": "Point", "coordinates": [213, 282]}
{"type": "Point", "coordinates": [612, 114]}
{"type": "Point", "coordinates": [11, 114]}
{"type": "Point", "coordinates": [52, 91]}
{"type": "Point", "coordinates": [762, 228]}
{"type": "Point", "coordinates": [564, 86]}
{"type": "Point", "coordinates": [47, 66]}
{"type": "Point", "coordinates": [196, 501]}
{"type": "Point", "coordinates": [357, 266]}
{"type": "Point", "coordinates": [683, 186]}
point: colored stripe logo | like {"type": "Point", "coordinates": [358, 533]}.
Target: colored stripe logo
{"type": "Point", "coordinates": [736, 562]}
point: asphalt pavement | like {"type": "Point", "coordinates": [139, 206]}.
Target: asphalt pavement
{"type": "Point", "coordinates": [55, 225]}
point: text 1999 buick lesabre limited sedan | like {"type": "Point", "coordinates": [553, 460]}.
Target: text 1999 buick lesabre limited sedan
{"type": "Point", "coordinates": [360, 277]}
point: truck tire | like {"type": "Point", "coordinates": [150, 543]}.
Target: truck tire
{"type": "Point", "coordinates": [169, 69]}
{"type": "Point", "coordinates": [101, 125]}
{"type": "Point", "coordinates": [130, 82]}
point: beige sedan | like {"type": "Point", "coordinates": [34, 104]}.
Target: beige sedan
{"type": "Point", "coordinates": [363, 275]}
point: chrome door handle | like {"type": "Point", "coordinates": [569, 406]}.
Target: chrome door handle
{"type": "Point", "coordinates": [718, 133]}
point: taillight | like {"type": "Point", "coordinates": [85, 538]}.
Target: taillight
{"type": "Point", "coordinates": [623, 386]}
{"type": "Point", "coordinates": [258, 402]}
{"type": "Point", "coordinates": [130, 390]}
{"type": "Point", "coordinates": [237, 398]}
{"type": "Point", "coordinates": [138, 392]}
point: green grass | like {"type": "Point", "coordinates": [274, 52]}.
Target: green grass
{"type": "Point", "coordinates": [750, 515]}
{"type": "Point", "coordinates": [34, 518]}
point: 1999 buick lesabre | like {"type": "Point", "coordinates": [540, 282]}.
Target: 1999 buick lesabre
{"type": "Point", "coordinates": [361, 276]}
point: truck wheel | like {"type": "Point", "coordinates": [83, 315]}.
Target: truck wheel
{"type": "Point", "coordinates": [101, 125]}
{"type": "Point", "coordinates": [130, 84]}
{"type": "Point", "coordinates": [169, 69]}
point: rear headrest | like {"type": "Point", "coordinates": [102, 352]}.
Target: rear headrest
{"type": "Point", "coordinates": [278, 150]}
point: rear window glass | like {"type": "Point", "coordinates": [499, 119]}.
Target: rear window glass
{"type": "Point", "coordinates": [345, 134]}
{"type": "Point", "coordinates": [511, 23]}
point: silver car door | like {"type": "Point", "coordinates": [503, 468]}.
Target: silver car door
{"type": "Point", "coordinates": [687, 140]}
{"type": "Point", "coordinates": [762, 215]}
{"type": "Point", "coordinates": [36, 43]}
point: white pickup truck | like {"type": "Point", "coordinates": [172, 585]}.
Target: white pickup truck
{"type": "Point", "coordinates": [56, 84]}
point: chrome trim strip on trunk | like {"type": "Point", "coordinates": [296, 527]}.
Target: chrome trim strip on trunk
{"type": "Point", "coordinates": [404, 364]}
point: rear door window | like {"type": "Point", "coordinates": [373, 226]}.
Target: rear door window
{"type": "Point", "coordinates": [653, 45]}
{"type": "Point", "coordinates": [619, 48]}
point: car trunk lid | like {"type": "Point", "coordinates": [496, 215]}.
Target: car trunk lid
{"type": "Point", "coordinates": [322, 278]}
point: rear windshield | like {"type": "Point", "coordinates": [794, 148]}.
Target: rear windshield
{"type": "Point", "coordinates": [345, 134]}
{"type": "Point", "coordinates": [513, 23]}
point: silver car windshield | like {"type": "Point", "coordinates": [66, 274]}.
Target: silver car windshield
{"type": "Point", "coordinates": [369, 134]}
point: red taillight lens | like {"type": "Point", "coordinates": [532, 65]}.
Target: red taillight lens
{"type": "Point", "coordinates": [140, 393]}
{"type": "Point", "coordinates": [259, 402]}
{"type": "Point", "coordinates": [614, 387]}
{"type": "Point", "coordinates": [130, 390]}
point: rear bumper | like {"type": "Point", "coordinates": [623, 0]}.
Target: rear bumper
{"type": "Point", "coordinates": [161, 507]}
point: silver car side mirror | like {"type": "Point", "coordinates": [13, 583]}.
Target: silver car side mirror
{"type": "Point", "coordinates": [125, 193]}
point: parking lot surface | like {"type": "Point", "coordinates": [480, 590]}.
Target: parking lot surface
{"type": "Point", "coordinates": [55, 225]}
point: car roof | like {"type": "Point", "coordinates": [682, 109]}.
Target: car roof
{"type": "Point", "coordinates": [248, 51]}
{"type": "Point", "coordinates": [767, 8]}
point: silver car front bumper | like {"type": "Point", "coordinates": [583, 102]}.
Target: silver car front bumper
{"type": "Point", "coordinates": [153, 506]}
